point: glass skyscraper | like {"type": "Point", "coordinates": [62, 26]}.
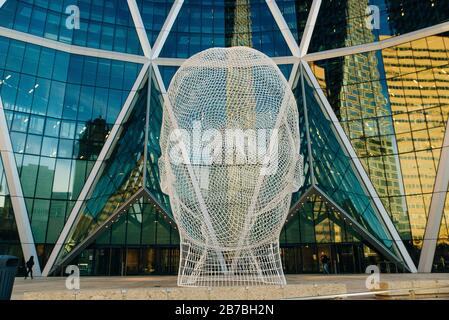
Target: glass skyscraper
{"type": "Point", "coordinates": [82, 84]}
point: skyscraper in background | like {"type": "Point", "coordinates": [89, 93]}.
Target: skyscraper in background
{"type": "Point", "coordinates": [363, 110]}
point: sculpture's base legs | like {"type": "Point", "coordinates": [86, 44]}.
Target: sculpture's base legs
{"type": "Point", "coordinates": [202, 266]}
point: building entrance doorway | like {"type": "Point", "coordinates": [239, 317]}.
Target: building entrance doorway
{"type": "Point", "coordinates": [345, 258]}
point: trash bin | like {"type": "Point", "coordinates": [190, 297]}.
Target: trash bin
{"type": "Point", "coordinates": [8, 271]}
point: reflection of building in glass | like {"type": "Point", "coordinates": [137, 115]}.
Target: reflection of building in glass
{"type": "Point", "coordinates": [417, 78]}
{"type": "Point", "coordinates": [238, 23]}
{"type": "Point", "coordinates": [238, 33]}
{"type": "Point", "coordinates": [359, 100]}
{"type": "Point", "coordinates": [92, 138]}
{"type": "Point", "coordinates": [409, 15]}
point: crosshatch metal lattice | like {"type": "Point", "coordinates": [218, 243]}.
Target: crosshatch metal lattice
{"type": "Point", "coordinates": [230, 163]}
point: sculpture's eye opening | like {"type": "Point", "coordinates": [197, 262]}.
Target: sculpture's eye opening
{"type": "Point", "coordinates": [230, 162]}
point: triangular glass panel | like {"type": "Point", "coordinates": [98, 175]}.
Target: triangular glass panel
{"type": "Point", "coordinates": [167, 73]}
{"type": "Point", "coordinates": [138, 230]}
{"type": "Point", "coordinates": [58, 121]}
{"type": "Point", "coordinates": [138, 224]}
{"type": "Point", "coordinates": [154, 14]}
{"type": "Point", "coordinates": [121, 176]}
{"type": "Point", "coordinates": [286, 70]}
{"type": "Point", "coordinates": [152, 179]}
{"type": "Point", "coordinates": [99, 25]}
{"type": "Point", "coordinates": [9, 236]}
{"type": "Point", "coordinates": [224, 23]}
{"type": "Point", "coordinates": [316, 228]}
{"type": "Point", "coordinates": [142, 224]}
{"type": "Point", "coordinates": [314, 221]}
{"type": "Point", "coordinates": [336, 175]}
{"type": "Point", "coordinates": [365, 115]}
{"type": "Point", "coordinates": [295, 14]}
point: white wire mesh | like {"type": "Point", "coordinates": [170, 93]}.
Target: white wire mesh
{"type": "Point", "coordinates": [230, 162]}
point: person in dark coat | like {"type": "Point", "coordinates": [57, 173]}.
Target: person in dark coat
{"type": "Point", "coordinates": [325, 262]}
{"type": "Point", "coordinates": [29, 267]}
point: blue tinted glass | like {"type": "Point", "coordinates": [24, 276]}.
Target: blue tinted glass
{"type": "Point", "coordinates": [303, 148]}
{"type": "Point", "coordinates": [59, 116]}
{"type": "Point", "coordinates": [167, 73]}
{"type": "Point", "coordinates": [295, 14]}
{"type": "Point", "coordinates": [335, 173]}
{"type": "Point", "coordinates": [201, 25]}
{"type": "Point", "coordinates": [344, 23]}
{"type": "Point", "coordinates": [152, 182]}
{"type": "Point", "coordinates": [121, 177]}
{"type": "Point", "coordinates": [154, 13]}
{"type": "Point", "coordinates": [286, 70]}
{"type": "Point", "coordinates": [54, 19]}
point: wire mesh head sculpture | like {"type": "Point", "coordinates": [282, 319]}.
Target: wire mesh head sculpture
{"type": "Point", "coordinates": [230, 163]}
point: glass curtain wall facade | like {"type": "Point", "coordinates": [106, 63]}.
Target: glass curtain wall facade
{"type": "Point", "coordinates": [82, 86]}
{"type": "Point", "coordinates": [59, 109]}
{"type": "Point", "coordinates": [400, 145]}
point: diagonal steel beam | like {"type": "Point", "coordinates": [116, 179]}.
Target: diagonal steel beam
{"type": "Point", "coordinates": [379, 45]}
{"type": "Point", "coordinates": [310, 26]}
{"type": "Point", "coordinates": [104, 226]}
{"type": "Point", "coordinates": [160, 82]}
{"type": "Point", "coordinates": [140, 28]}
{"type": "Point", "coordinates": [293, 75]}
{"type": "Point", "coordinates": [359, 228]}
{"type": "Point", "coordinates": [16, 194]}
{"type": "Point", "coordinates": [283, 27]}
{"type": "Point", "coordinates": [366, 182]}
{"type": "Point", "coordinates": [96, 170]}
{"type": "Point", "coordinates": [166, 28]}
{"type": "Point", "coordinates": [436, 210]}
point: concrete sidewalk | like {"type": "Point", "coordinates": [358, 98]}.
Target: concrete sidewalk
{"type": "Point", "coordinates": [164, 287]}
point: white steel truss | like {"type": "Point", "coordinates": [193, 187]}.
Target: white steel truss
{"type": "Point", "coordinates": [291, 80]}
{"type": "Point", "coordinates": [163, 35]}
{"type": "Point", "coordinates": [125, 206]}
{"type": "Point", "coordinates": [140, 28]}
{"type": "Point", "coordinates": [361, 171]}
{"type": "Point", "coordinates": [283, 26]}
{"type": "Point", "coordinates": [310, 26]}
{"type": "Point", "coordinates": [382, 44]}
{"type": "Point", "coordinates": [16, 194]}
{"type": "Point", "coordinates": [436, 210]}
{"type": "Point", "coordinates": [96, 170]}
{"type": "Point", "coordinates": [299, 56]}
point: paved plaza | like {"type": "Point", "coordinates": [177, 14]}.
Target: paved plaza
{"type": "Point", "coordinates": [299, 286]}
